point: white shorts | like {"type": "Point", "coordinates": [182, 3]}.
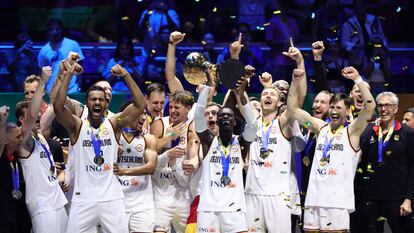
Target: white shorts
{"type": "Point", "coordinates": [268, 214]}
{"type": "Point", "coordinates": [141, 221]}
{"type": "Point", "coordinates": [223, 222]}
{"type": "Point", "coordinates": [166, 215]}
{"type": "Point", "coordinates": [326, 219]}
{"type": "Point", "coordinates": [54, 221]}
{"type": "Point", "coordinates": [110, 215]}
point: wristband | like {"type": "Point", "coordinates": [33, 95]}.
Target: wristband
{"type": "Point", "coordinates": [358, 80]}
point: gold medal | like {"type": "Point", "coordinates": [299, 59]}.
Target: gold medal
{"type": "Point", "coordinates": [306, 161]}
{"type": "Point", "coordinates": [323, 162]}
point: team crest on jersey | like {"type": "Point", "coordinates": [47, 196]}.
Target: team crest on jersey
{"type": "Point", "coordinates": [273, 130]}
{"type": "Point", "coordinates": [105, 131]}
{"type": "Point", "coordinates": [128, 150]}
{"type": "Point", "coordinates": [339, 136]}
{"type": "Point", "coordinates": [235, 148]}
{"type": "Point", "coordinates": [182, 140]}
{"type": "Point", "coordinates": [139, 148]}
{"type": "Point", "coordinates": [372, 140]}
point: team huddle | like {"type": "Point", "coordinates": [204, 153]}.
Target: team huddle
{"type": "Point", "coordinates": [201, 166]}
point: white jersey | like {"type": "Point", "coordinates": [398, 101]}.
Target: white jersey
{"type": "Point", "coordinates": [94, 183]}
{"type": "Point", "coordinates": [270, 175]}
{"type": "Point", "coordinates": [331, 184]}
{"type": "Point", "coordinates": [169, 182]}
{"type": "Point", "coordinates": [85, 112]}
{"type": "Point", "coordinates": [195, 182]}
{"type": "Point", "coordinates": [137, 189]}
{"type": "Point", "coordinates": [215, 196]}
{"type": "Point", "coordinates": [43, 192]}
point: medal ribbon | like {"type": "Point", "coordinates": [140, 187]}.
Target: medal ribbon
{"type": "Point", "coordinates": [96, 142]}
{"type": "Point", "coordinates": [129, 130]}
{"type": "Point", "coordinates": [327, 145]}
{"type": "Point", "coordinates": [225, 161]}
{"type": "Point", "coordinates": [309, 143]}
{"type": "Point", "coordinates": [15, 172]}
{"type": "Point", "coordinates": [265, 135]}
{"type": "Point", "coordinates": [45, 149]}
{"type": "Point", "coordinates": [383, 144]}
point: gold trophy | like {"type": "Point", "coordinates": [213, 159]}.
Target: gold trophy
{"type": "Point", "coordinates": [198, 70]}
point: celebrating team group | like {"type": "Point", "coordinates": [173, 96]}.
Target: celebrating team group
{"type": "Point", "coordinates": [210, 167]}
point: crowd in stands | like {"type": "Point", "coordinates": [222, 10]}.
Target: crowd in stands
{"type": "Point", "coordinates": [351, 36]}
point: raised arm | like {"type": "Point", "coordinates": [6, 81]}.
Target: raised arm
{"type": "Point", "coordinates": [130, 114]}
{"type": "Point", "coordinates": [319, 67]}
{"type": "Point", "coordinates": [173, 82]}
{"type": "Point", "coordinates": [250, 115]}
{"type": "Point", "coordinates": [293, 111]}
{"type": "Point", "coordinates": [150, 156]}
{"type": "Point", "coordinates": [35, 103]}
{"type": "Point", "coordinates": [4, 114]}
{"type": "Point", "coordinates": [295, 54]}
{"type": "Point", "coordinates": [357, 127]}
{"type": "Point", "coordinates": [201, 128]}
{"type": "Point", "coordinates": [71, 122]}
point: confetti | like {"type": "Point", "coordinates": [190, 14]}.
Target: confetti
{"type": "Point", "coordinates": [257, 219]}
{"type": "Point", "coordinates": [231, 204]}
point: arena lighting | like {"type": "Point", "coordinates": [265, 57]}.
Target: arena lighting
{"type": "Point", "coordinates": [139, 0]}
{"type": "Point", "coordinates": [277, 12]}
{"type": "Point", "coordinates": [313, 15]}
{"type": "Point", "coordinates": [398, 10]}
{"type": "Point", "coordinates": [215, 9]}
{"type": "Point", "coordinates": [196, 0]}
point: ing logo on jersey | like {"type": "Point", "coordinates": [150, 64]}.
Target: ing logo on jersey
{"type": "Point", "coordinates": [207, 229]}
{"type": "Point", "coordinates": [329, 172]}
{"type": "Point", "coordinates": [95, 168]}
{"type": "Point", "coordinates": [139, 148]}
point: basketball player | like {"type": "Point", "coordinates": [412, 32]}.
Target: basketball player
{"type": "Point", "coordinates": [97, 195]}
{"type": "Point", "coordinates": [44, 197]}
{"type": "Point", "coordinates": [135, 166]}
{"type": "Point", "coordinates": [171, 185]}
{"type": "Point", "coordinates": [222, 203]}
{"type": "Point", "coordinates": [330, 196]}
{"type": "Point", "coordinates": [192, 166]}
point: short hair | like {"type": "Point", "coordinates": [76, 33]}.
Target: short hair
{"type": "Point", "coordinates": [393, 96]}
{"type": "Point", "coordinates": [330, 94]}
{"type": "Point", "coordinates": [411, 109]}
{"type": "Point", "coordinates": [95, 88]}
{"type": "Point", "coordinates": [280, 81]}
{"type": "Point", "coordinates": [155, 87]}
{"type": "Point", "coordinates": [253, 98]}
{"type": "Point", "coordinates": [125, 104]}
{"type": "Point", "coordinates": [183, 97]}
{"type": "Point", "coordinates": [271, 87]}
{"type": "Point", "coordinates": [340, 96]}
{"type": "Point", "coordinates": [214, 104]}
{"type": "Point", "coordinates": [32, 78]}
{"type": "Point", "coordinates": [21, 109]}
